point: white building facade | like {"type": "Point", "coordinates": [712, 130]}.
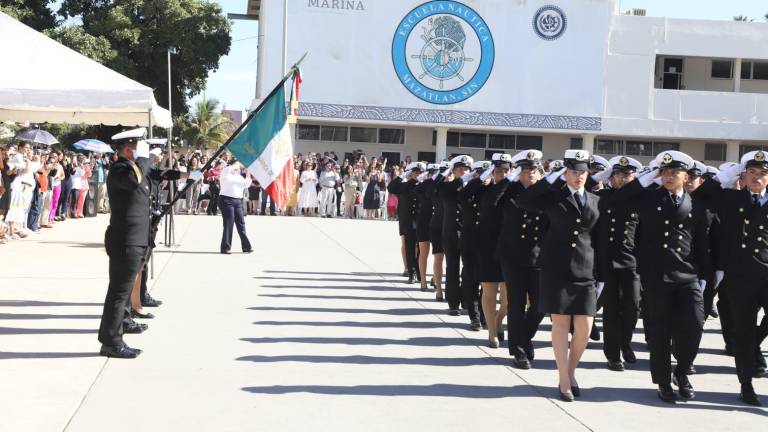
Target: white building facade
{"type": "Point", "coordinates": [435, 78]}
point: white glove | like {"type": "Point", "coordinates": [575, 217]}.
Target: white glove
{"type": "Point", "coordinates": [405, 175]}
{"type": "Point", "coordinates": [422, 177]}
{"type": "Point", "coordinates": [434, 177]}
{"type": "Point", "coordinates": [602, 176]}
{"type": "Point", "coordinates": [702, 284]}
{"type": "Point", "coordinates": [467, 177]}
{"type": "Point", "coordinates": [553, 176]}
{"type": "Point", "coordinates": [142, 149]}
{"type": "Point", "coordinates": [728, 176]}
{"type": "Point", "coordinates": [514, 175]}
{"type": "Point", "coordinates": [600, 286]}
{"type": "Point", "coordinates": [719, 274]}
{"type": "Point", "coordinates": [487, 173]}
{"type": "Point", "coordinates": [649, 177]}
{"type": "Point", "coordinates": [657, 181]}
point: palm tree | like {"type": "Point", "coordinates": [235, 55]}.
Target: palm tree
{"type": "Point", "coordinates": [208, 128]}
{"type": "Point", "coordinates": [743, 18]}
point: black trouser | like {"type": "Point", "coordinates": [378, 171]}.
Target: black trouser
{"type": "Point", "coordinates": [124, 264]}
{"type": "Point", "coordinates": [747, 296]}
{"type": "Point", "coordinates": [522, 325]}
{"type": "Point", "coordinates": [232, 214]}
{"type": "Point", "coordinates": [470, 285]}
{"type": "Point", "coordinates": [676, 312]}
{"type": "Point", "coordinates": [709, 294]}
{"type": "Point", "coordinates": [621, 307]}
{"type": "Point", "coordinates": [213, 204]}
{"type": "Point", "coordinates": [339, 193]}
{"type": "Point", "coordinates": [724, 309]}
{"type": "Point", "coordinates": [410, 247]}
{"type": "Point", "coordinates": [66, 189]}
{"type": "Point", "coordinates": [452, 267]}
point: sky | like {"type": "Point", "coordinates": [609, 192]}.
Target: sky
{"type": "Point", "coordinates": [234, 83]}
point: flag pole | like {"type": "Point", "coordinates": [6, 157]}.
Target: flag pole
{"type": "Point", "coordinates": [156, 218]}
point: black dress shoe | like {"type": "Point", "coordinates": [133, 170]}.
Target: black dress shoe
{"type": "Point", "coordinates": [684, 387]}
{"type": "Point", "coordinates": [749, 396]}
{"type": "Point", "coordinates": [493, 343]}
{"type": "Point", "coordinates": [432, 282]}
{"type": "Point", "coordinates": [521, 361]}
{"type": "Point", "coordinates": [123, 352]}
{"type": "Point", "coordinates": [594, 334]}
{"type": "Point", "coordinates": [411, 278]}
{"type": "Point", "coordinates": [616, 365]}
{"type": "Point", "coordinates": [567, 396]}
{"type": "Point", "coordinates": [135, 328]}
{"type": "Point", "coordinates": [405, 274]}
{"type": "Point", "coordinates": [454, 312]}
{"type": "Point", "coordinates": [500, 335]}
{"type": "Point", "coordinates": [474, 326]}
{"type": "Point", "coordinates": [691, 370]}
{"type": "Point", "coordinates": [576, 390]}
{"type": "Point", "coordinates": [147, 315]}
{"type": "Point", "coordinates": [149, 301]}
{"type": "Point", "coordinates": [629, 355]}
{"type": "Point", "coordinates": [226, 252]}
{"type": "Point", "coordinates": [439, 297]}
{"type": "Point", "coordinates": [713, 313]}
{"type": "Point", "coordinates": [247, 250]}
{"type": "Point", "coordinates": [529, 351]}
{"type": "Point", "coordinates": [666, 393]}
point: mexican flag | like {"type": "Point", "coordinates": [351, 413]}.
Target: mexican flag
{"type": "Point", "coordinates": [264, 145]}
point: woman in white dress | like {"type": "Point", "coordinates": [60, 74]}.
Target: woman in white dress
{"type": "Point", "coordinates": [308, 194]}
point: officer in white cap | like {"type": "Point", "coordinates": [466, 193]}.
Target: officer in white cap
{"type": "Point", "coordinates": [424, 191]}
{"type": "Point", "coordinates": [518, 246]}
{"type": "Point", "coordinates": [567, 289]}
{"type": "Point", "coordinates": [672, 261]}
{"type": "Point", "coordinates": [743, 254]}
{"type": "Point", "coordinates": [618, 280]}
{"type": "Point", "coordinates": [407, 208]}
{"type": "Point", "coordinates": [448, 191]}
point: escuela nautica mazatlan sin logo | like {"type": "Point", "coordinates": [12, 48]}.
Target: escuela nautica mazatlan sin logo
{"type": "Point", "coordinates": [443, 52]}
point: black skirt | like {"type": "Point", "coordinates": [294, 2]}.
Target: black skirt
{"type": "Point", "coordinates": [436, 238]}
{"type": "Point", "coordinates": [560, 294]}
{"type": "Point", "coordinates": [488, 266]}
{"type": "Point", "coordinates": [422, 232]}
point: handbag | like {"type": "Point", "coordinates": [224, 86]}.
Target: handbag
{"type": "Point", "coordinates": [358, 198]}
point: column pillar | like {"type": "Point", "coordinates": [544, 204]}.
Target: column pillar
{"type": "Point", "coordinates": [737, 75]}
{"type": "Point", "coordinates": [588, 143]}
{"type": "Point", "coordinates": [732, 151]}
{"type": "Point", "coordinates": [441, 144]}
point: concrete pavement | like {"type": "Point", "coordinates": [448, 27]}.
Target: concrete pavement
{"type": "Point", "coordinates": [314, 329]}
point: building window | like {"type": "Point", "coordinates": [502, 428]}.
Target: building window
{"type": "Point", "coordinates": [722, 69]}
{"type": "Point", "coordinates": [577, 143]}
{"type": "Point", "coordinates": [607, 146]}
{"type": "Point", "coordinates": [452, 140]}
{"type": "Point", "coordinates": [333, 133]}
{"type": "Point", "coordinates": [529, 142]}
{"type": "Point", "coordinates": [659, 147]}
{"type": "Point", "coordinates": [760, 70]}
{"type": "Point", "coordinates": [392, 158]}
{"type": "Point", "coordinates": [638, 148]}
{"type": "Point", "coordinates": [714, 151]}
{"type": "Point", "coordinates": [746, 70]}
{"type": "Point", "coordinates": [427, 156]}
{"type": "Point", "coordinates": [391, 136]}
{"type": "Point", "coordinates": [308, 132]}
{"type": "Point", "coordinates": [362, 135]}
{"type": "Point", "coordinates": [473, 140]}
{"type": "Point", "coordinates": [746, 148]}
{"type": "Point", "coordinates": [506, 142]}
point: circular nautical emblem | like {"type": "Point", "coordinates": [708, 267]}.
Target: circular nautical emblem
{"type": "Point", "coordinates": [550, 22]}
{"type": "Point", "coordinates": [579, 156]}
{"type": "Point", "coordinates": [759, 156]}
{"type": "Point", "coordinates": [531, 155]}
{"type": "Point", "coordinates": [623, 161]}
{"type": "Point", "coordinates": [443, 52]}
{"type": "Point", "coordinates": [557, 165]}
{"type": "Point", "coordinates": [667, 158]}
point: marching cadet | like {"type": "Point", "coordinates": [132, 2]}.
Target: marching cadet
{"type": "Point", "coordinates": [518, 246]}
{"type": "Point", "coordinates": [671, 263]}
{"type": "Point", "coordinates": [436, 232]}
{"type": "Point", "coordinates": [407, 209]}
{"type": "Point", "coordinates": [469, 201]}
{"type": "Point", "coordinates": [448, 191]}
{"type": "Point", "coordinates": [567, 290]}
{"type": "Point", "coordinates": [493, 184]}
{"type": "Point", "coordinates": [424, 191]}
{"type": "Point", "coordinates": [128, 234]}
{"type": "Point", "coordinates": [743, 255]}
{"type": "Point", "coordinates": [617, 266]}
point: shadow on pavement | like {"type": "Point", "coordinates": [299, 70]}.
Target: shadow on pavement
{"type": "Point", "coordinates": [372, 280]}
{"type": "Point", "coordinates": [340, 297]}
{"type": "Point", "coordinates": [443, 390]}
{"type": "Point", "coordinates": [45, 355]}
{"type": "Point", "coordinates": [340, 287]}
{"type": "Point", "coordinates": [74, 244]}
{"type": "Point", "coordinates": [13, 316]}
{"type": "Point", "coordinates": [370, 360]}
{"type": "Point", "coordinates": [19, 303]}
{"type": "Point", "coordinates": [418, 341]}
{"type": "Point", "coordinates": [372, 274]}
{"type": "Point", "coordinates": [393, 324]}
{"type": "Point", "coordinates": [18, 331]}
{"type": "Point", "coordinates": [398, 312]}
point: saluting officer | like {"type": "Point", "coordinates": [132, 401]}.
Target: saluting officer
{"type": "Point", "coordinates": [743, 255]}
{"type": "Point", "coordinates": [407, 208]}
{"type": "Point", "coordinates": [518, 246]}
{"type": "Point", "coordinates": [617, 266]}
{"type": "Point", "coordinates": [128, 234]}
{"type": "Point", "coordinates": [424, 191]}
{"type": "Point", "coordinates": [448, 191]}
{"type": "Point", "coordinates": [436, 231]}
{"type": "Point", "coordinates": [672, 258]}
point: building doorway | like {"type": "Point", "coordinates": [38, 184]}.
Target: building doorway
{"type": "Point", "coordinates": [672, 73]}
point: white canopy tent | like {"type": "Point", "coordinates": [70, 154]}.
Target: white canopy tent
{"type": "Point", "coordinates": [44, 81]}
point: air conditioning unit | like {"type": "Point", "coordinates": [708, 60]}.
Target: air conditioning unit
{"type": "Point", "coordinates": [635, 12]}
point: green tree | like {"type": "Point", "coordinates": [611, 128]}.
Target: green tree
{"type": "Point", "coordinates": [96, 48]}
{"type": "Point", "coordinates": [743, 18]}
{"type": "Point", "coordinates": [140, 33]}
{"type": "Point", "coordinates": [206, 127]}
{"type": "Point", "coordinates": [34, 13]}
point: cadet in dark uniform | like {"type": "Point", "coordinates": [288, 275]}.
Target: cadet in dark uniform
{"type": "Point", "coordinates": [617, 266]}
{"type": "Point", "coordinates": [522, 233]}
{"type": "Point", "coordinates": [127, 237]}
{"type": "Point", "coordinates": [469, 246]}
{"type": "Point", "coordinates": [407, 209]}
{"type": "Point", "coordinates": [436, 232]}
{"type": "Point", "coordinates": [493, 185]}
{"type": "Point", "coordinates": [744, 255]}
{"type": "Point", "coordinates": [448, 191]}
{"type": "Point", "coordinates": [671, 257]}
{"type": "Point", "coordinates": [424, 191]}
{"type": "Point", "coordinates": [567, 289]}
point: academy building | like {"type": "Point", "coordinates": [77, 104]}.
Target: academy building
{"type": "Point", "coordinates": [434, 78]}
